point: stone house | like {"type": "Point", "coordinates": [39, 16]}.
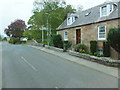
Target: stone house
{"type": "Point", "coordinates": [91, 24]}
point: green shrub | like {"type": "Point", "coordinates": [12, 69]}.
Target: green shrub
{"type": "Point", "coordinates": [14, 40]}
{"type": "Point", "coordinates": [4, 39]}
{"type": "Point", "coordinates": [106, 49]}
{"type": "Point", "coordinates": [95, 54]}
{"type": "Point", "coordinates": [93, 46]}
{"type": "Point", "coordinates": [57, 41]}
{"type": "Point", "coordinates": [91, 53]}
{"type": "Point", "coordinates": [67, 45]}
{"type": "Point", "coordinates": [11, 41]}
{"type": "Point", "coordinates": [114, 38]}
{"type": "Point", "coordinates": [79, 47]}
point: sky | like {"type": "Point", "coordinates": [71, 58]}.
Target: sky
{"type": "Point", "coordinates": [11, 10]}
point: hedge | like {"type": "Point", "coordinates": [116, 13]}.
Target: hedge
{"type": "Point", "coordinates": [106, 49]}
{"type": "Point", "coordinates": [93, 46]}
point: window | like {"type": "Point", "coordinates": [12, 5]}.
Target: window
{"type": "Point", "coordinates": [65, 35]}
{"type": "Point", "coordinates": [100, 51]}
{"type": "Point", "coordinates": [111, 7]}
{"type": "Point", "coordinates": [104, 11]}
{"type": "Point", "coordinates": [70, 20]}
{"type": "Point", "coordinates": [102, 33]}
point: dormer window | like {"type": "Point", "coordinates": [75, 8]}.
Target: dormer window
{"type": "Point", "coordinates": [106, 10]}
{"type": "Point", "coordinates": [111, 7]}
{"type": "Point", "coordinates": [70, 20]}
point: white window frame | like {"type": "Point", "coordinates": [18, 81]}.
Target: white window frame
{"type": "Point", "coordinates": [101, 11]}
{"type": "Point", "coordinates": [108, 8]}
{"type": "Point", "coordinates": [65, 36]}
{"type": "Point", "coordinates": [99, 33]}
{"type": "Point", "coordinates": [70, 20]}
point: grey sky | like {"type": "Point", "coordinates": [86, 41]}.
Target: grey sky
{"type": "Point", "coordinates": [22, 9]}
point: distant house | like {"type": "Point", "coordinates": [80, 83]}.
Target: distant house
{"type": "Point", "coordinates": [91, 24]}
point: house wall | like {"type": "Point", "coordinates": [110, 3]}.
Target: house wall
{"type": "Point", "coordinates": [89, 32]}
{"type": "Point", "coordinates": [119, 23]}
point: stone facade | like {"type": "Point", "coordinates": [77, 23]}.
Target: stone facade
{"type": "Point", "coordinates": [90, 32]}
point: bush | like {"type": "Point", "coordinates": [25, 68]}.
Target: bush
{"type": "Point", "coordinates": [95, 54]}
{"type": "Point", "coordinates": [4, 39]}
{"type": "Point", "coordinates": [79, 47]}
{"type": "Point", "coordinates": [11, 41]}
{"type": "Point", "coordinates": [114, 38]}
{"type": "Point", "coordinates": [106, 49]}
{"type": "Point", "coordinates": [14, 40]}
{"type": "Point", "coordinates": [57, 41]}
{"type": "Point", "coordinates": [93, 46]}
{"type": "Point", "coordinates": [67, 45]}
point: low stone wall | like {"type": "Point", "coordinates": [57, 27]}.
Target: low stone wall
{"type": "Point", "coordinates": [101, 60]}
{"type": "Point", "coordinates": [31, 42]}
{"type": "Point", "coordinates": [56, 49]}
{"type": "Point", "coordinates": [49, 47]}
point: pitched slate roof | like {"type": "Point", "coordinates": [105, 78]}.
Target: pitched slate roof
{"type": "Point", "coordinates": [93, 17]}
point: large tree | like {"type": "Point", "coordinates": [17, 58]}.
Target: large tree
{"type": "Point", "coordinates": [49, 14]}
{"type": "Point", "coordinates": [16, 28]}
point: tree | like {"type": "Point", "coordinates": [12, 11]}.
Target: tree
{"type": "Point", "coordinates": [16, 28]}
{"type": "Point", "coordinates": [114, 39]}
{"type": "Point", "coordinates": [27, 34]}
{"type": "Point", "coordinates": [34, 34]}
{"type": "Point", "coordinates": [49, 14]}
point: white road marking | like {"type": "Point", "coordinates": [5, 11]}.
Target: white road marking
{"type": "Point", "coordinates": [29, 64]}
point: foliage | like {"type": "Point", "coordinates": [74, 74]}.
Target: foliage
{"type": "Point", "coordinates": [67, 45]}
{"type": "Point", "coordinates": [0, 38]}
{"type": "Point", "coordinates": [106, 49]}
{"type": "Point", "coordinates": [27, 34]}
{"type": "Point", "coordinates": [57, 41]}
{"type": "Point", "coordinates": [80, 48]}
{"type": "Point", "coordinates": [114, 38]}
{"type": "Point", "coordinates": [35, 34]}
{"type": "Point", "coordinates": [93, 46]}
{"type": "Point", "coordinates": [16, 28]}
{"type": "Point", "coordinates": [14, 40]}
{"type": "Point", "coordinates": [49, 14]}
{"type": "Point", "coordinates": [4, 39]}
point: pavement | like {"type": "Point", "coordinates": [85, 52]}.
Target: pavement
{"type": "Point", "coordinates": [32, 67]}
{"type": "Point", "coordinates": [96, 66]}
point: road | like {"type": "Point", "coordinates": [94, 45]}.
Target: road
{"type": "Point", "coordinates": [27, 67]}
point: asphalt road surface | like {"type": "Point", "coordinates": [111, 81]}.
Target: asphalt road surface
{"type": "Point", "coordinates": [27, 67]}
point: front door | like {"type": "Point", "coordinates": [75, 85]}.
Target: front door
{"type": "Point", "coordinates": [78, 36]}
